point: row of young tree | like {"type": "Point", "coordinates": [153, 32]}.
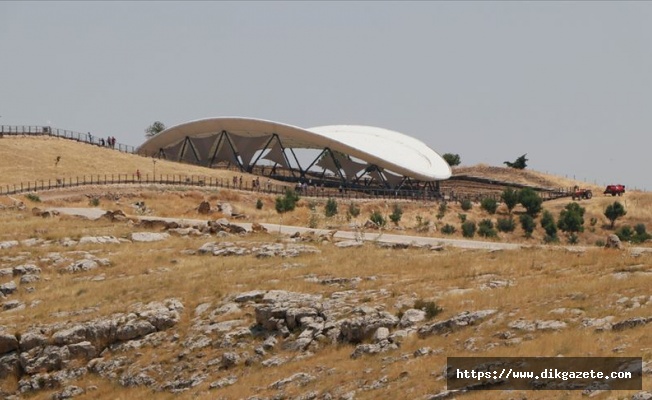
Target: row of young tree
{"type": "Point", "coordinates": [570, 220]}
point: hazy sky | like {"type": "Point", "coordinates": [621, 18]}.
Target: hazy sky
{"type": "Point", "coordinates": [568, 83]}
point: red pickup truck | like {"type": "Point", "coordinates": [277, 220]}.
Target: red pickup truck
{"type": "Point", "coordinates": [615, 190]}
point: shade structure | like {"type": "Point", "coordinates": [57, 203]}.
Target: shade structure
{"type": "Point", "coordinates": [237, 140]}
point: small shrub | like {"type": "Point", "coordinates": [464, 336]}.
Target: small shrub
{"type": "Point", "coordinates": [486, 229]}
{"type": "Point", "coordinates": [377, 218]}
{"type": "Point", "coordinates": [510, 198]}
{"type": "Point", "coordinates": [489, 204]}
{"type": "Point", "coordinates": [548, 224]}
{"type": "Point", "coordinates": [33, 197]}
{"type": "Point", "coordinates": [354, 210]}
{"type": "Point", "coordinates": [313, 222]}
{"type": "Point", "coordinates": [331, 207]}
{"type": "Point", "coordinates": [468, 229]}
{"type": "Point", "coordinates": [593, 221]}
{"type": "Point", "coordinates": [641, 234]}
{"type": "Point", "coordinates": [396, 214]}
{"type": "Point", "coordinates": [462, 217]}
{"type": "Point", "coordinates": [259, 204]}
{"type": "Point", "coordinates": [287, 202]}
{"type": "Point", "coordinates": [448, 229]}
{"type": "Point", "coordinates": [94, 202]}
{"type": "Point", "coordinates": [573, 238]}
{"type": "Point", "coordinates": [466, 204]}
{"type": "Point", "coordinates": [600, 243]}
{"type": "Point", "coordinates": [506, 224]}
{"type": "Point", "coordinates": [625, 233]}
{"type": "Point", "coordinates": [441, 212]}
{"type": "Point", "coordinates": [423, 224]}
{"type": "Point", "coordinates": [430, 307]}
{"type": "Point", "coordinates": [528, 224]}
{"type": "Point", "coordinates": [530, 200]}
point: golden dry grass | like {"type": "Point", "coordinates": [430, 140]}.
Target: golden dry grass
{"type": "Point", "coordinates": [540, 280]}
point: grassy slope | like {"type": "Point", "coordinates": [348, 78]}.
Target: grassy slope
{"type": "Point", "coordinates": [25, 159]}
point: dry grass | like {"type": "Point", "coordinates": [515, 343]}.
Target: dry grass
{"type": "Point", "coordinates": [33, 158]}
{"type": "Point", "coordinates": [540, 280]}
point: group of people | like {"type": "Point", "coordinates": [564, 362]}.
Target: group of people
{"type": "Point", "coordinates": [108, 142]}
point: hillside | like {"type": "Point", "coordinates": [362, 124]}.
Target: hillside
{"type": "Point", "coordinates": [126, 306]}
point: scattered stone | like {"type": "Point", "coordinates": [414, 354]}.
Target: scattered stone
{"type": "Point", "coordinates": [224, 382]}
{"type": "Point", "coordinates": [411, 317]}
{"type": "Point", "coordinates": [204, 208]}
{"type": "Point", "coordinates": [631, 323]}
{"type": "Point", "coordinates": [459, 321]}
{"type": "Point", "coordinates": [82, 266]}
{"type": "Point", "coordinates": [13, 305]}
{"type": "Point", "coordinates": [300, 378]}
{"type": "Point", "coordinates": [349, 243]}
{"type": "Point", "coordinates": [99, 240]}
{"type": "Point", "coordinates": [8, 244]}
{"type": "Point", "coordinates": [149, 236]}
{"type": "Point", "coordinates": [8, 288]}
{"type": "Point", "coordinates": [613, 242]}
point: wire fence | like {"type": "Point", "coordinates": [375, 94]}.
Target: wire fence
{"type": "Point", "coordinates": [266, 187]}
{"type": "Point", "coordinates": [35, 130]}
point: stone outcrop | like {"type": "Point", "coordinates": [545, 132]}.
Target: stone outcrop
{"type": "Point", "coordinates": [459, 321]}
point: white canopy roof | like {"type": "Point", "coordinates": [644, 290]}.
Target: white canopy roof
{"type": "Point", "coordinates": [387, 149]}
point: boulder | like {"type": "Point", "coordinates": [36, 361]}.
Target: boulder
{"type": "Point", "coordinates": [204, 208]}
{"type": "Point", "coordinates": [613, 242]}
{"type": "Point", "coordinates": [8, 288]}
{"type": "Point", "coordinates": [8, 342]}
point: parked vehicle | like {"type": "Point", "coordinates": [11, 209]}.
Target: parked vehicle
{"type": "Point", "coordinates": [615, 190]}
{"type": "Point", "coordinates": [581, 193]}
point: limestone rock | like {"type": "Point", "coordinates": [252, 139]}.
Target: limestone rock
{"type": "Point", "coordinates": [149, 236]}
{"type": "Point", "coordinates": [613, 242]}
{"type": "Point", "coordinates": [459, 321]}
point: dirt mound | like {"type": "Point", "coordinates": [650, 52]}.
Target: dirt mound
{"type": "Point", "coordinates": [520, 176]}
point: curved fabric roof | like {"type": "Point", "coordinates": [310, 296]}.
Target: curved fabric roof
{"type": "Point", "coordinates": [387, 149]}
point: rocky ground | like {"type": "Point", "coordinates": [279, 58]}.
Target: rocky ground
{"type": "Point", "coordinates": [322, 322]}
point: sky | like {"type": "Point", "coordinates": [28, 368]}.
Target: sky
{"type": "Point", "coordinates": [568, 83]}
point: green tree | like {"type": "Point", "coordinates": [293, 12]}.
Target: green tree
{"type": "Point", "coordinates": [354, 210]}
{"type": "Point", "coordinates": [452, 159]}
{"type": "Point", "coordinates": [284, 204]}
{"type": "Point", "coordinates": [468, 229]}
{"type": "Point", "coordinates": [486, 229]}
{"type": "Point", "coordinates": [154, 129]}
{"type": "Point", "coordinates": [531, 201]}
{"type": "Point", "coordinates": [331, 207]}
{"type": "Point", "coordinates": [396, 214]}
{"type": "Point", "coordinates": [571, 220]}
{"type": "Point", "coordinates": [466, 204]}
{"type": "Point", "coordinates": [506, 224]}
{"type": "Point", "coordinates": [288, 202]}
{"type": "Point", "coordinates": [519, 163]}
{"type": "Point", "coordinates": [510, 198]}
{"type": "Point", "coordinates": [548, 224]}
{"type": "Point", "coordinates": [489, 204]}
{"type": "Point", "coordinates": [614, 211]}
{"type": "Point", "coordinates": [377, 218]}
{"type": "Point", "coordinates": [528, 224]}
